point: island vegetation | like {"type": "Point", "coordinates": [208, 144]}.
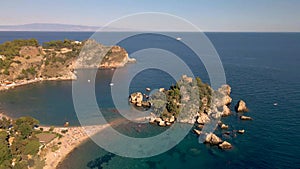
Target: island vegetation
{"type": "Point", "coordinates": [24, 61]}
{"type": "Point", "coordinates": [192, 101]}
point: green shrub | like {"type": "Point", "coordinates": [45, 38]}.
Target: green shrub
{"type": "Point", "coordinates": [58, 44]}
{"type": "Point", "coordinates": [51, 128]}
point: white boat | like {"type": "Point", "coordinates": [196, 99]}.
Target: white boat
{"type": "Point", "coordinates": [178, 38]}
{"type": "Point", "coordinates": [111, 84]}
{"type": "Point", "coordinates": [275, 104]}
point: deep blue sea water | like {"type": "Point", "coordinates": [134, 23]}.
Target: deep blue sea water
{"type": "Point", "coordinates": [262, 69]}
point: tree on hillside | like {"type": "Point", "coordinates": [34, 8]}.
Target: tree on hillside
{"type": "Point", "coordinates": [5, 154]}
{"type": "Point", "coordinates": [28, 120]}
{"type": "Point", "coordinates": [32, 147]}
{"type": "Point", "coordinates": [4, 123]}
{"type": "Point", "coordinates": [25, 130]}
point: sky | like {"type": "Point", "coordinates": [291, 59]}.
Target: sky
{"type": "Point", "coordinates": [208, 15]}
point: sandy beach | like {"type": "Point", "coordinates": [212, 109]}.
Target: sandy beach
{"type": "Point", "coordinates": [73, 138]}
{"type": "Point", "coordinates": [66, 144]}
{"type": "Point", "coordinates": [55, 151]}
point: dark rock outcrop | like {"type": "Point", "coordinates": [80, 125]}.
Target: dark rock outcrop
{"type": "Point", "coordinates": [241, 106]}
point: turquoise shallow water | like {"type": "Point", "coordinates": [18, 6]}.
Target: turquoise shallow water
{"type": "Point", "coordinates": [262, 68]}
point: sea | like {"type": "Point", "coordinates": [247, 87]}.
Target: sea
{"type": "Point", "coordinates": [263, 69]}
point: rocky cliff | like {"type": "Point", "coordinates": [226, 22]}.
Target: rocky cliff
{"type": "Point", "coordinates": [94, 54]}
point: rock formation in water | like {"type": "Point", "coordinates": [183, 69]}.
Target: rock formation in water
{"type": "Point", "coordinates": [224, 126]}
{"type": "Point", "coordinates": [241, 131]}
{"type": "Point", "coordinates": [212, 139]}
{"type": "Point", "coordinates": [245, 118]}
{"type": "Point", "coordinates": [241, 106]}
{"type": "Point", "coordinates": [190, 101]}
{"type": "Point", "coordinates": [226, 111]}
{"type": "Point", "coordinates": [136, 98]}
{"type": "Point", "coordinates": [225, 145]}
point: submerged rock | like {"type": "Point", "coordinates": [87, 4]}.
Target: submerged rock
{"type": "Point", "coordinates": [241, 106]}
{"type": "Point", "coordinates": [227, 132]}
{"type": "Point", "coordinates": [225, 145]}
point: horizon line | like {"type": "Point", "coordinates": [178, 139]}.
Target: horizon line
{"type": "Point", "coordinates": [93, 28]}
{"type": "Point", "coordinates": [87, 31]}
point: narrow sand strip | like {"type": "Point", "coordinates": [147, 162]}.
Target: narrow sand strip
{"type": "Point", "coordinates": [73, 138]}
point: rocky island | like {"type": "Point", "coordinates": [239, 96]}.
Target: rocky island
{"type": "Point", "coordinates": [192, 101]}
{"type": "Point", "coordinates": [26, 61]}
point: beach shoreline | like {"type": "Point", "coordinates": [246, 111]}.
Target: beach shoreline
{"type": "Point", "coordinates": [74, 137]}
{"type": "Point", "coordinates": [71, 138]}
{"type": "Point", "coordinates": [4, 86]}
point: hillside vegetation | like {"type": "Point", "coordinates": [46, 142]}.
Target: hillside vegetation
{"type": "Point", "coordinates": [19, 144]}
{"type": "Point", "coordinates": [25, 59]}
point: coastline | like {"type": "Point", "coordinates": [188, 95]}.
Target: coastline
{"type": "Point", "coordinates": [58, 149]}
{"type": "Point", "coordinates": [4, 87]}
{"type": "Point", "coordinates": [75, 136]}
{"type": "Point", "coordinates": [72, 139]}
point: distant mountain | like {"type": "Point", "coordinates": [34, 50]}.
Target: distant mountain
{"type": "Point", "coordinates": [47, 27]}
